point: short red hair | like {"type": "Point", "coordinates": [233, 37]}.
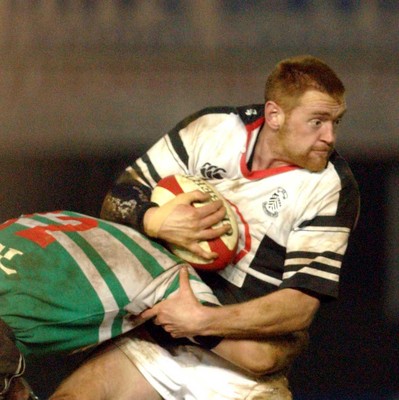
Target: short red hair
{"type": "Point", "coordinates": [292, 77]}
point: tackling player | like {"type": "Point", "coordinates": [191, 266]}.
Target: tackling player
{"type": "Point", "coordinates": [70, 282]}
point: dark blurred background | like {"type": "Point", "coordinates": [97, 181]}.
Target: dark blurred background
{"type": "Point", "coordinates": [87, 85]}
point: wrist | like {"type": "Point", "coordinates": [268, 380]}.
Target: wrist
{"type": "Point", "coordinates": [205, 318]}
{"type": "Point", "coordinates": [147, 220]}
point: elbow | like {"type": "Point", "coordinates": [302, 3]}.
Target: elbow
{"type": "Point", "coordinates": [263, 366]}
{"type": "Point", "coordinates": [303, 322]}
{"type": "Point", "coordinates": [276, 358]}
{"type": "Point", "coordinates": [256, 357]}
{"type": "Point", "coordinates": [262, 357]}
{"type": "Point", "coordinates": [266, 358]}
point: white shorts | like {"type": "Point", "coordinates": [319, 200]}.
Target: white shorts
{"type": "Point", "coordinates": [193, 373]}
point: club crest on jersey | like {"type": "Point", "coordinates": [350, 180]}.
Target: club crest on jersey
{"type": "Point", "coordinates": [274, 204]}
{"type": "Point", "coordinates": [251, 111]}
{"type": "Point", "coordinates": [212, 171]}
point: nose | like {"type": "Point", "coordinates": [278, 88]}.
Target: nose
{"type": "Point", "coordinates": [328, 135]}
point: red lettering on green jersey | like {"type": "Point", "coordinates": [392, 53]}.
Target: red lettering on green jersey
{"type": "Point", "coordinates": [42, 234]}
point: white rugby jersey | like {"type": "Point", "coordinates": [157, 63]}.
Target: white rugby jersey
{"type": "Point", "coordinates": [294, 224]}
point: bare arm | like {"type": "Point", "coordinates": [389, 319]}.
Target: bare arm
{"type": "Point", "coordinates": [253, 348]}
{"type": "Point", "coordinates": [279, 313]}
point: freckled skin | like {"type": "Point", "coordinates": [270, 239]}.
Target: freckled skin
{"type": "Point", "coordinates": [306, 136]}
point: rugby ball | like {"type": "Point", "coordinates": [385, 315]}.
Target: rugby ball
{"type": "Point", "coordinates": [225, 245]}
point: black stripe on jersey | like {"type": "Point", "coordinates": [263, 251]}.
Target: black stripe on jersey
{"type": "Point", "coordinates": [348, 202]}
{"type": "Point", "coordinates": [313, 260]}
{"type": "Point", "coordinates": [313, 283]}
{"type": "Point", "coordinates": [325, 222]}
{"type": "Point", "coordinates": [321, 288]}
{"type": "Point", "coordinates": [227, 293]}
{"type": "Point", "coordinates": [178, 145]}
{"type": "Point", "coordinates": [174, 134]}
{"type": "Point", "coordinates": [269, 258]}
{"type": "Point", "coordinates": [251, 113]}
{"type": "Point", "coordinates": [349, 199]}
{"type": "Point", "coordinates": [154, 174]}
{"type": "Point", "coordinates": [313, 254]}
{"type": "Point", "coordinates": [137, 169]}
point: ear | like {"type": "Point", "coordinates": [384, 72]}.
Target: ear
{"type": "Point", "coordinates": [274, 115]}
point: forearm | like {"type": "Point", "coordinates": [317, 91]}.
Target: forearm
{"type": "Point", "coordinates": [279, 313]}
{"type": "Point", "coordinates": [127, 202]}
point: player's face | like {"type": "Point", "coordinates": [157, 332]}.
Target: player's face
{"type": "Point", "coordinates": [308, 134]}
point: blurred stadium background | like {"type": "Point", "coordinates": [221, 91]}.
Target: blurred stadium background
{"type": "Point", "coordinates": [87, 85]}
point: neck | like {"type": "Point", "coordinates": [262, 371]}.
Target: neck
{"type": "Point", "coordinates": [264, 155]}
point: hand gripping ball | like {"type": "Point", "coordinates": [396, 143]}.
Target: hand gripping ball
{"type": "Point", "coordinates": [225, 245]}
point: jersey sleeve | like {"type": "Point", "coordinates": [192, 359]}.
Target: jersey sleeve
{"type": "Point", "coordinates": [129, 198]}
{"type": "Point", "coordinates": [316, 247]}
{"type": "Point", "coordinates": [176, 152]}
